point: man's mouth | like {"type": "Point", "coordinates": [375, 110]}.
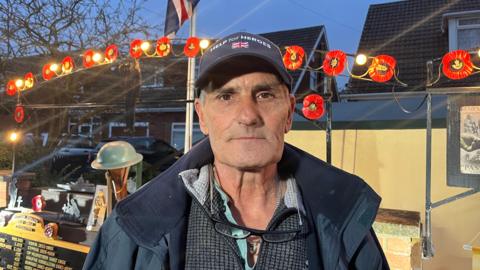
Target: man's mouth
{"type": "Point", "coordinates": [248, 138]}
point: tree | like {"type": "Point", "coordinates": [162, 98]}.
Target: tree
{"type": "Point", "coordinates": [52, 27]}
{"type": "Point", "coordinates": [47, 27]}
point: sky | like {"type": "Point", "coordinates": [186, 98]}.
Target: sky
{"type": "Point", "coordinates": [343, 19]}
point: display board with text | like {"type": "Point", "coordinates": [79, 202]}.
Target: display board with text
{"type": "Point", "coordinates": [26, 243]}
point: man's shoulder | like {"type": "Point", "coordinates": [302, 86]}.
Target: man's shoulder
{"type": "Point", "coordinates": [297, 160]}
{"type": "Point", "coordinates": [114, 248]}
{"type": "Point", "coordinates": [327, 190]}
{"type": "Point", "coordinates": [156, 208]}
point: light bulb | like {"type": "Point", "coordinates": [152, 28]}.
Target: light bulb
{"type": "Point", "coordinates": [53, 67]}
{"type": "Point", "coordinates": [19, 83]}
{"type": "Point", "coordinates": [13, 137]}
{"type": "Point", "coordinates": [145, 45]}
{"type": "Point", "coordinates": [361, 59]}
{"type": "Point", "coordinates": [204, 43]}
{"type": "Point", "coordinates": [97, 57]}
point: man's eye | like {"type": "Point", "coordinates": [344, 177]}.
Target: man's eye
{"type": "Point", "coordinates": [224, 97]}
{"type": "Point", "coordinates": [265, 95]}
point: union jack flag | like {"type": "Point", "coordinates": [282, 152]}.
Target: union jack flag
{"type": "Point", "coordinates": [178, 11]}
{"type": "Point", "coordinates": [240, 44]}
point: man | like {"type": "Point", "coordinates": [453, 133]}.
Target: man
{"type": "Point", "coordinates": [243, 199]}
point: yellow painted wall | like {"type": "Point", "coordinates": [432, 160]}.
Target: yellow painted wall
{"type": "Point", "coordinates": [392, 162]}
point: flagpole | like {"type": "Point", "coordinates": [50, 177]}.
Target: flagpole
{"type": "Point", "coordinates": [190, 90]}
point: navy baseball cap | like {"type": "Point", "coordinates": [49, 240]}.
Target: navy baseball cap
{"type": "Point", "coordinates": [241, 51]}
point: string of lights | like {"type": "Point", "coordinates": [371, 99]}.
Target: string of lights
{"type": "Point", "coordinates": [455, 65]}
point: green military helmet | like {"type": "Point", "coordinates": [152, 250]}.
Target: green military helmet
{"type": "Point", "coordinates": [115, 155]}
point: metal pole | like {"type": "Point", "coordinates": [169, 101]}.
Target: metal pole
{"type": "Point", "coordinates": [454, 198]}
{"type": "Point", "coordinates": [328, 127]}
{"type": "Point", "coordinates": [13, 159]}
{"type": "Point", "coordinates": [428, 251]}
{"type": "Point", "coordinates": [190, 92]}
{"type": "Point", "coordinates": [12, 186]}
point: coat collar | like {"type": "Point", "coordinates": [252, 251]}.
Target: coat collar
{"type": "Point", "coordinates": [339, 199]}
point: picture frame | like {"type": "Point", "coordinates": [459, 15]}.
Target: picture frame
{"type": "Point", "coordinates": [98, 212]}
{"type": "Point", "coordinates": [463, 140]}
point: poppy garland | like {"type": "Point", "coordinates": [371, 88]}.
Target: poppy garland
{"type": "Point", "coordinates": [135, 48]}
{"type": "Point", "coordinates": [313, 106]}
{"type": "Point", "coordinates": [457, 65]}
{"type": "Point", "coordinates": [334, 62]}
{"type": "Point", "coordinates": [382, 68]}
{"type": "Point", "coordinates": [293, 57]}
{"type": "Point", "coordinates": [67, 65]}
{"type": "Point", "coordinates": [29, 80]}
{"type": "Point", "coordinates": [19, 114]}
{"type": "Point", "coordinates": [11, 88]}
{"type": "Point", "coordinates": [163, 46]}
{"type": "Point", "coordinates": [111, 53]}
{"type": "Point", "coordinates": [47, 73]}
{"type": "Point", "coordinates": [192, 47]}
{"type": "Point", "coordinates": [88, 58]}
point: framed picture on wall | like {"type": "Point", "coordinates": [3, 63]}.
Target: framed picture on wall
{"type": "Point", "coordinates": [463, 141]}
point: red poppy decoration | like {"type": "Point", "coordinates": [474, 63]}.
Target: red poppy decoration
{"type": "Point", "coordinates": [293, 57]}
{"type": "Point", "coordinates": [19, 114]}
{"type": "Point", "coordinates": [382, 68]}
{"type": "Point", "coordinates": [51, 230]}
{"type": "Point", "coordinates": [136, 48]}
{"type": "Point", "coordinates": [111, 53]}
{"type": "Point", "coordinates": [457, 65]}
{"type": "Point", "coordinates": [192, 47]}
{"type": "Point", "coordinates": [88, 58]}
{"type": "Point", "coordinates": [47, 73]}
{"type": "Point", "coordinates": [38, 203]}
{"type": "Point", "coordinates": [334, 62]}
{"type": "Point", "coordinates": [29, 80]}
{"type": "Point", "coordinates": [11, 88]}
{"type": "Point", "coordinates": [163, 46]}
{"type": "Point", "coordinates": [313, 106]}
{"type": "Point", "coordinates": [67, 65]}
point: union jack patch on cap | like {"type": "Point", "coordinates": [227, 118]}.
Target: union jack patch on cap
{"type": "Point", "coordinates": [237, 45]}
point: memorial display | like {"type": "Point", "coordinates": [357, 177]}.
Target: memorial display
{"type": "Point", "coordinates": [26, 243]}
{"type": "Point", "coordinates": [463, 137]}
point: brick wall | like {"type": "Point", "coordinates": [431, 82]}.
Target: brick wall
{"type": "Point", "coordinates": [399, 235]}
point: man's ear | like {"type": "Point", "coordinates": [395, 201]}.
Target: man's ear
{"type": "Point", "coordinates": [291, 110]}
{"type": "Point", "coordinates": [201, 117]}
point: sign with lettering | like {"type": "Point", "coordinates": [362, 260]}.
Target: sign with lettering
{"type": "Point", "coordinates": [24, 245]}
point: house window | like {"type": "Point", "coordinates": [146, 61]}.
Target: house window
{"type": "Point", "coordinates": [178, 135]}
{"type": "Point", "coordinates": [152, 77]}
{"type": "Point", "coordinates": [75, 126]}
{"type": "Point", "coordinates": [85, 129]}
{"type": "Point", "coordinates": [117, 129]}
{"type": "Point", "coordinates": [464, 32]}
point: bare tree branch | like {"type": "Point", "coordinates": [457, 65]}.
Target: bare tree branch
{"type": "Point", "coordinates": [48, 27]}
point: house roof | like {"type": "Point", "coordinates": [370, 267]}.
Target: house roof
{"type": "Point", "coordinates": [411, 32]}
{"type": "Point", "coordinates": [309, 38]}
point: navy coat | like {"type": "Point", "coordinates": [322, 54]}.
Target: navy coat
{"type": "Point", "coordinates": [147, 230]}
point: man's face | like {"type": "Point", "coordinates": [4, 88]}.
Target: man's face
{"type": "Point", "coordinates": [246, 119]}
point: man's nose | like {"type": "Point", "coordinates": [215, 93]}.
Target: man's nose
{"type": "Point", "coordinates": [248, 112]}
